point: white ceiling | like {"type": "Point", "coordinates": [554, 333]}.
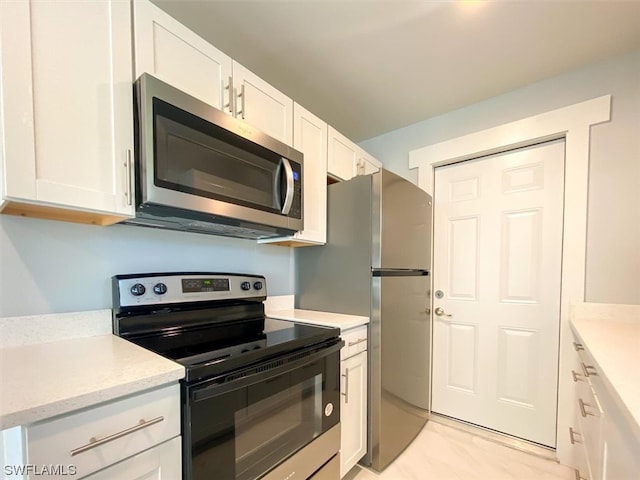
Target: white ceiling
{"type": "Point", "coordinates": [368, 67]}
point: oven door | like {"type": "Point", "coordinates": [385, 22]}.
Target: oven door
{"type": "Point", "coordinates": [242, 426]}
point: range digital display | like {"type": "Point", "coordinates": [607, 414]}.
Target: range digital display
{"type": "Point", "coordinates": [191, 285]}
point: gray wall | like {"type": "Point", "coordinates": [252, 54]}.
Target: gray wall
{"type": "Point", "coordinates": [613, 236]}
{"type": "Point", "coordinates": [55, 267]}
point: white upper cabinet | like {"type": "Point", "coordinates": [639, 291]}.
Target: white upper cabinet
{"type": "Point", "coordinates": [171, 52]}
{"type": "Point", "coordinates": [346, 159]}
{"type": "Point", "coordinates": [367, 164]}
{"type": "Point", "coordinates": [66, 110]}
{"type": "Point", "coordinates": [261, 105]}
{"type": "Point", "coordinates": [310, 137]}
{"type": "Point", "coordinates": [342, 156]}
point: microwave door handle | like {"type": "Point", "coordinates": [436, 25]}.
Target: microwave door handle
{"type": "Point", "coordinates": [288, 199]}
{"type": "Point", "coordinates": [277, 191]}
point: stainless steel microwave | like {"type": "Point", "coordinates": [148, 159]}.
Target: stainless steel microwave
{"type": "Point", "coordinates": [198, 169]}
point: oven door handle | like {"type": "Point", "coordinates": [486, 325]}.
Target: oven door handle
{"type": "Point", "coordinates": [204, 392]}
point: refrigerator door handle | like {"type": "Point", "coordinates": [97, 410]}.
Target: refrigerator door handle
{"type": "Point", "coordinates": [399, 272]}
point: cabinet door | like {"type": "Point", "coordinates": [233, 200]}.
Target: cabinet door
{"type": "Point", "coordinates": [171, 52]}
{"type": "Point", "coordinates": [621, 460]}
{"type": "Point", "coordinates": [261, 105]}
{"type": "Point", "coordinates": [367, 164]}
{"type": "Point", "coordinates": [162, 462]}
{"type": "Point", "coordinates": [310, 137]}
{"type": "Point", "coordinates": [122, 428]}
{"type": "Point", "coordinates": [341, 156]}
{"type": "Point", "coordinates": [67, 107]}
{"type": "Point", "coordinates": [353, 413]}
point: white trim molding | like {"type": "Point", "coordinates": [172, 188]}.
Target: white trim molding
{"type": "Point", "coordinates": [573, 123]}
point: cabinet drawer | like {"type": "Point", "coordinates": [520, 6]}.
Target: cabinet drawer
{"type": "Point", "coordinates": [94, 438]}
{"type": "Point", "coordinates": [585, 363]}
{"type": "Point", "coordinates": [162, 462]}
{"type": "Point", "coordinates": [355, 341]}
{"type": "Point", "coordinates": [578, 451]}
{"type": "Point", "coordinates": [590, 421]}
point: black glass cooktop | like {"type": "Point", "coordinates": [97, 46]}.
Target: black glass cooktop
{"type": "Point", "coordinates": [279, 338]}
{"type": "Point", "coordinates": [208, 351]}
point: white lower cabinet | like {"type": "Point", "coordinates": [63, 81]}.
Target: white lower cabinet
{"type": "Point", "coordinates": [353, 407]}
{"type": "Point", "coordinates": [606, 447]}
{"type": "Point", "coordinates": [586, 431]}
{"type": "Point", "coordinates": [140, 433]}
{"type": "Point", "coordinates": [621, 457]}
{"type": "Point", "coordinates": [162, 462]}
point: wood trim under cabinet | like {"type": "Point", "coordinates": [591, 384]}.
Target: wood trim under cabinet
{"type": "Point", "coordinates": [56, 213]}
{"type": "Point", "coordinates": [293, 243]}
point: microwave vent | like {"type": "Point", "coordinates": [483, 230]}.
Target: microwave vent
{"type": "Point", "coordinates": [154, 216]}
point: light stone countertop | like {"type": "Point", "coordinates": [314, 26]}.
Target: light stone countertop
{"type": "Point", "coordinates": [324, 319]}
{"type": "Point", "coordinates": [39, 381]}
{"type": "Point", "coordinates": [611, 334]}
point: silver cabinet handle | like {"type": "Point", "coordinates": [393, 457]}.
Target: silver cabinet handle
{"type": "Point", "coordinates": [583, 410]}
{"type": "Point", "coordinates": [127, 165]}
{"type": "Point", "coordinates": [585, 369]}
{"type": "Point", "coordinates": [577, 377]}
{"type": "Point", "coordinates": [346, 386]}
{"type": "Point", "coordinates": [360, 340]}
{"type": "Point", "coordinates": [572, 436]}
{"type": "Point", "coordinates": [578, 476]}
{"type": "Point", "coordinates": [578, 346]}
{"type": "Point", "coordinates": [241, 96]}
{"type": "Point", "coordinates": [439, 311]}
{"type": "Point", "coordinates": [230, 105]}
{"type": "Point", "coordinates": [93, 442]}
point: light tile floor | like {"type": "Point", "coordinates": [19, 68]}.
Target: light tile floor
{"type": "Point", "coordinates": [441, 452]}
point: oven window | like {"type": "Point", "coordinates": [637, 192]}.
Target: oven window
{"type": "Point", "coordinates": [269, 430]}
{"type": "Point", "coordinates": [240, 431]}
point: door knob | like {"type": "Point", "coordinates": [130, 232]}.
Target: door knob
{"type": "Point", "coordinates": [439, 311]}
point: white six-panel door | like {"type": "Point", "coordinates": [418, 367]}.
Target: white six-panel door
{"type": "Point", "coordinates": [497, 259]}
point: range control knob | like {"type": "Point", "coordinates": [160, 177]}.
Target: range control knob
{"type": "Point", "coordinates": [257, 285]}
{"type": "Point", "coordinates": [245, 286]}
{"type": "Point", "coordinates": [159, 289]}
{"type": "Point", "coordinates": [137, 290]}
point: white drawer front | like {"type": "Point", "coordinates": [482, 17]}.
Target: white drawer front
{"type": "Point", "coordinates": [355, 341]}
{"type": "Point", "coordinates": [578, 450]}
{"type": "Point", "coordinates": [60, 441]}
{"type": "Point", "coordinates": [590, 418]}
{"type": "Point", "coordinates": [162, 462]}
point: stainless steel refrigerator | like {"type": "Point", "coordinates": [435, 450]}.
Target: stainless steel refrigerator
{"type": "Point", "coordinates": [377, 263]}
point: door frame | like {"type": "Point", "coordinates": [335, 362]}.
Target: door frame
{"type": "Point", "coordinates": [573, 123]}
